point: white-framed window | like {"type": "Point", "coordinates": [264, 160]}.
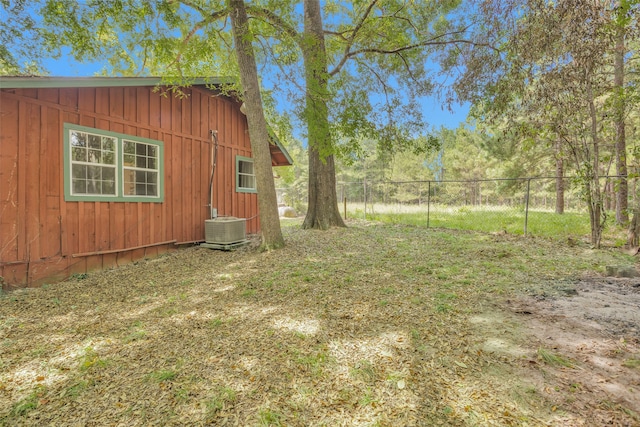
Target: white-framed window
{"type": "Point", "coordinates": [107, 166]}
{"type": "Point", "coordinates": [245, 175]}
{"type": "Point", "coordinates": [93, 163]}
{"type": "Point", "coordinates": [140, 165]}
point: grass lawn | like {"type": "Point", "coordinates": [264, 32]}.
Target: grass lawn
{"type": "Point", "coordinates": [366, 326]}
{"type": "Point", "coordinates": [570, 225]}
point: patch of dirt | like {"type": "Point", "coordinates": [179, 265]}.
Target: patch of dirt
{"type": "Point", "coordinates": [594, 325]}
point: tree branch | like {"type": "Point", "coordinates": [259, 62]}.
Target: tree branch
{"type": "Point", "coordinates": [191, 5]}
{"type": "Point", "coordinates": [432, 42]}
{"type": "Point", "coordinates": [274, 20]}
{"type": "Point", "coordinates": [269, 52]}
{"type": "Point", "coordinates": [340, 34]}
{"type": "Point", "coordinates": [352, 38]}
{"type": "Point", "coordinates": [382, 82]}
{"type": "Point", "coordinates": [208, 18]}
{"type": "Point", "coordinates": [408, 68]}
{"type": "Point", "coordinates": [435, 41]}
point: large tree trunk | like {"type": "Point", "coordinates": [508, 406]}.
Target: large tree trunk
{"type": "Point", "coordinates": [267, 200]}
{"type": "Point", "coordinates": [322, 211]}
{"type": "Point", "coordinates": [622, 193]}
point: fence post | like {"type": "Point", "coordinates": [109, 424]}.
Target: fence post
{"type": "Point", "coordinates": [428, 202]}
{"type": "Point", "coordinates": [345, 207]}
{"type": "Point", "coordinates": [526, 206]}
{"type": "Point", "coordinates": [344, 198]}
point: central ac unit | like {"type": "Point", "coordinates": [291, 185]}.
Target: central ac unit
{"type": "Point", "coordinates": [225, 230]}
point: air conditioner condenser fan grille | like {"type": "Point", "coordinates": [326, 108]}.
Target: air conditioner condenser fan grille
{"type": "Point", "coordinates": [225, 230]}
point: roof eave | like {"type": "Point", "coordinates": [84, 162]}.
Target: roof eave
{"type": "Point", "coordinates": [276, 141]}
{"type": "Point", "coordinates": [22, 82]}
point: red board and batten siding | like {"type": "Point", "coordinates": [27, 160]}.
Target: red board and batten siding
{"type": "Point", "coordinates": [44, 238]}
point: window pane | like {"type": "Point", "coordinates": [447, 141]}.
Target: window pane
{"type": "Point", "coordinates": [93, 187]}
{"type": "Point", "coordinates": [95, 156]}
{"type": "Point", "coordinates": [246, 167]}
{"type": "Point", "coordinates": [152, 177]}
{"type": "Point", "coordinates": [91, 148]}
{"type": "Point", "coordinates": [129, 160]}
{"type": "Point", "coordinates": [108, 158]}
{"type": "Point", "coordinates": [108, 183]}
{"type": "Point", "coordinates": [152, 190]}
{"type": "Point", "coordinates": [247, 181]}
{"type": "Point", "coordinates": [129, 147]}
{"type": "Point", "coordinates": [79, 154]}
{"type": "Point", "coordinates": [141, 189]}
{"type": "Point", "coordinates": [151, 151]}
{"type": "Point", "coordinates": [79, 186]}
{"type": "Point", "coordinates": [79, 171]}
{"type": "Point", "coordinates": [129, 183]}
{"type": "Point", "coordinates": [151, 163]}
{"type": "Point", "coordinates": [108, 144]}
{"type": "Point", "coordinates": [129, 176]}
{"type": "Point", "coordinates": [108, 187]}
{"type": "Point", "coordinates": [95, 141]}
{"type": "Point", "coordinates": [94, 172]}
{"type": "Point", "coordinates": [141, 162]}
{"type": "Point", "coordinates": [109, 174]}
{"type": "Point", "coordinates": [78, 139]}
{"type": "Point", "coordinates": [94, 180]}
{"type": "Point", "coordinates": [141, 176]}
{"type": "Point", "coordinates": [141, 149]}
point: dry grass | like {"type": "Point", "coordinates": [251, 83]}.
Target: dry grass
{"type": "Point", "coordinates": [363, 326]}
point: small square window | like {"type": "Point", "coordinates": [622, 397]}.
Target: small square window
{"type": "Point", "coordinates": [245, 175]}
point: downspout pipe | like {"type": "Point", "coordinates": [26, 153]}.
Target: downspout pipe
{"type": "Point", "coordinates": [213, 212]}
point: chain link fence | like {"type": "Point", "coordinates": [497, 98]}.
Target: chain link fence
{"type": "Point", "coordinates": [536, 206]}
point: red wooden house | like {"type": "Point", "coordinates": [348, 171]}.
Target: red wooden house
{"type": "Point", "coordinates": [96, 172]}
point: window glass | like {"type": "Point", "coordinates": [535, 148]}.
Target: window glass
{"type": "Point", "coordinates": [95, 141]}
{"type": "Point", "coordinates": [245, 177]}
{"type": "Point", "coordinates": [92, 164]}
{"type": "Point", "coordinates": [78, 139]}
{"type": "Point", "coordinates": [79, 154]}
{"type": "Point", "coordinates": [140, 169]}
{"type": "Point", "coordinates": [108, 144]}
